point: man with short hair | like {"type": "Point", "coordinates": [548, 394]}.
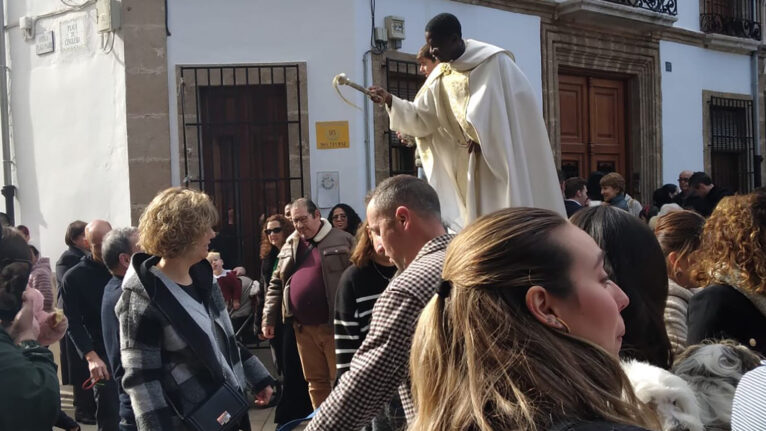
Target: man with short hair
{"type": "Point", "coordinates": [613, 191]}
{"type": "Point", "coordinates": [404, 219]}
{"type": "Point", "coordinates": [119, 245]}
{"type": "Point", "coordinates": [575, 194]}
{"type": "Point", "coordinates": [708, 194]}
{"type": "Point", "coordinates": [302, 292]}
{"type": "Point", "coordinates": [494, 151]}
{"type": "Point", "coordinates": [82, 291]}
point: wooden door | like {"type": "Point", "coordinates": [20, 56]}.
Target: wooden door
{"type": "Point", "coordinates": [245, 163]}
{"type": "Point", "coordinates": [592, 118]}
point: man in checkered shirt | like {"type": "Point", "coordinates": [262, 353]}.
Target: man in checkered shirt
{"type": "Point", "coordinates": [405, 221]}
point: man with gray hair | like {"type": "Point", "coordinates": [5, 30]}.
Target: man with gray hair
{"type": "Point", "coordinates": [302, 293]}
{"type": "Point", "coordinates": [404, 219]}
{"type": "Point", "coordinates": [119, 245]}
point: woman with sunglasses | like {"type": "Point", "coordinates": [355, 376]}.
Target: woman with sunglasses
{"type": "Point", "coordinates": [344, 217]}
{"type": "Point", "coordinates": [294, 402]}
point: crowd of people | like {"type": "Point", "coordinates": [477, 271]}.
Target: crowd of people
{"type": "Point", "coordinates": [523, 320]}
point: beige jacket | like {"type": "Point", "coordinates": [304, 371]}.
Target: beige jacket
{"type": "Point", "coordinates": [334, 247]}
{"type": "Point", "coordinates": [676, 314]}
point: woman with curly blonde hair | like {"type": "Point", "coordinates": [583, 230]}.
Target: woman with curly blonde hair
{"type": "Point", "coordinates": [524, 333]}
{"type": "Point", "coordinates": [177, 343]}
{"type": "Point", "coordinates": [731, 266]}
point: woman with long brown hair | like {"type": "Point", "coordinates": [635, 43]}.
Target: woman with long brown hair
{"type": "Point", "coordinates": [524, 333]}
{"type": "Point", "coordinates": [679, 234]}
{"type": "Point", "coordinates": [731, 266]}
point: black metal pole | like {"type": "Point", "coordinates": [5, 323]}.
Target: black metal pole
{"type": "Point", "coordinates": [9, 191]}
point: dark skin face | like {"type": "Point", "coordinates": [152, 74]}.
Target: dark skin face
{"type": "Point", "coordinates": [445, 48]}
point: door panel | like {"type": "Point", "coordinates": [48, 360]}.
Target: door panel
{"type": "Point", "coordinates": [592, 118]}
{"type": "Point", "coordinates": [573, 101]}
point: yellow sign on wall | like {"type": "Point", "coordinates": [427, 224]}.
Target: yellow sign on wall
{"type": "Point", "coordinates": [332, 135]}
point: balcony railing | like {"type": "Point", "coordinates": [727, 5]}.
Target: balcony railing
{"type": "Point", "coordinates": [669, 7]}
{"type": "Point", "coordinates": [738, 18]}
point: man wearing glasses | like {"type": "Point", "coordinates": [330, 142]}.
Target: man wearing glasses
{"type": "Point", "coordinates": [683, 183]}
{"type": "Point", "coordinates": [302, 293]}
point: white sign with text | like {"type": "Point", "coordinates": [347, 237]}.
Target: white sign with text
{"type": "Point", "coordinates": [72, 33]}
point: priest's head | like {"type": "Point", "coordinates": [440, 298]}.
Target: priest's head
{"type": "Point", "coordinates": [445, 37]}
{"type": "Point", "coordinates": [403, 214]}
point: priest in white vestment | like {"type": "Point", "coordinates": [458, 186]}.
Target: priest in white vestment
{"type": "Point", "coordinates": [481, 135]}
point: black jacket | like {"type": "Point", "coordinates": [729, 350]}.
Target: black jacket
{"type": "Point", "coordinates": [82, 291]}
{"type": "Point", "coordinates": [706, 205]}
{"type": "Point", "coordinates": [720, 311]}
{"type": "Point", "coordinates": [571, 207]}
{"type": "Point", "coordinates": [69, 258]}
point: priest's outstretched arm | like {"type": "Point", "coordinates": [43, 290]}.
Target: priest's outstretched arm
{"type": "Point", "coordinates": [416, 118]}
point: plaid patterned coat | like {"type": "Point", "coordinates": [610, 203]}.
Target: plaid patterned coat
{"type": "Point", "coordinates": [164, 351]}
{"type": "Point", "coordinates": [381, 363]}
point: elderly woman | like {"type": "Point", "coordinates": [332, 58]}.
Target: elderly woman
{"type": "Point", "coordinates": [524, 333]}
{"type": "Point", "coordinates": [183, 367]}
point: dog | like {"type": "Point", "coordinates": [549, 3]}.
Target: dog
{"type": "Point", "coordinates": [713, 370]}
{"type": "Point", "coordinates": [669, 395]}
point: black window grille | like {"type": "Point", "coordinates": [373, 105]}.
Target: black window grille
{"type": "Point", "coordinates": [732, 155]}
{"type": "Point", "coordinates": [404, 81]}
{"type": "Point", "coordinates": [669, 7]}
{"type": "Point", "coordinates": [242, 139]}
{"type": "Point", "coordinates": [739, 18]}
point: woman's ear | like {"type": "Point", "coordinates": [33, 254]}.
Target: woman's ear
{"type": "Point", "coordinates": [672, 261]}
{"type": "Point", "coordinates": [538, 302]}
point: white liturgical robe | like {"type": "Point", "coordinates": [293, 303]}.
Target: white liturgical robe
{"type": "Point", "coordinates": [482, 97]}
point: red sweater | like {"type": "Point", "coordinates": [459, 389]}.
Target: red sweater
{"type": "Point", "coordinates": [231, 287]}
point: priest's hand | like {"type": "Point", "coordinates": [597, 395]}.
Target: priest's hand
{"type": "Point", "coordinates": [379, 95]}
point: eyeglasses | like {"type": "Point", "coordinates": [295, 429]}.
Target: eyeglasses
{"type": "Point", "coordinates": [683, 180]}
{"type": "Point", "coordinates": [275, 230]}
{"type": "Point", "coordinates": [339, 217]}
{"type": "Point", "coordinates": [301, 219]}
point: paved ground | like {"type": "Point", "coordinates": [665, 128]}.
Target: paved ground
{"type": "Point", "coordinates": [260, 419]}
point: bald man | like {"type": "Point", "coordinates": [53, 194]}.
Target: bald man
{"type": "Point", "coordinates": [82, 289]}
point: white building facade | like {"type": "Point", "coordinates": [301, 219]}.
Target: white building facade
{"type": "Point", "coordinates": [236, 98]}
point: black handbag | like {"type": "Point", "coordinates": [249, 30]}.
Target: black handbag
{"type": "Point", "coordinates": [222, 411]}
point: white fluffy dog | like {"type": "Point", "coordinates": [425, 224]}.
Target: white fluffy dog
{"type": "Point", "coordinates": [669, 395]}
{"type": "Point", "coordinates": [713, 371]}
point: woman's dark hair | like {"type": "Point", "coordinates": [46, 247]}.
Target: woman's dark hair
{"type": "Point", "coordinates": [287, 230]}
{"type": "Point", "coordinates": [15, 266]}
{"type": "Point", "coordinates": [352, 218]}
{"type": "Point", "coordinates": [634, 261]}
{"type": "Point", "coordinates": [662, 195]}
{"type": "Point", "coordinates": [73, 231]}
{"type": "Point", "coordinates": [594, 186]}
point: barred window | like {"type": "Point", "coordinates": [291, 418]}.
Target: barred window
{"type": "Point", "coordinates": [404, 82]}
{"type": "Point", "coordinates": [731, 144]}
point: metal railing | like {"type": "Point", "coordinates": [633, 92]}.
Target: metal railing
{"type": "Point", "coordinates": [739, 18]}
{"type": "Point", "coordinates": [669, 7]}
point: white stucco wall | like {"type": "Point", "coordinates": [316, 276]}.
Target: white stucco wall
{"type": "Point", "coordinates": [688, 15]}
{"type": "Point", "coordinates": [68, 128]}
{"type": "Point", "coordinates": [694, 70]}
{"type": "Point", "coordinates": [331, 36]}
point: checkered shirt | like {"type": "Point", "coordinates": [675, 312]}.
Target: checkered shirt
{"type": "Point", "coordinates": [381, 363]}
